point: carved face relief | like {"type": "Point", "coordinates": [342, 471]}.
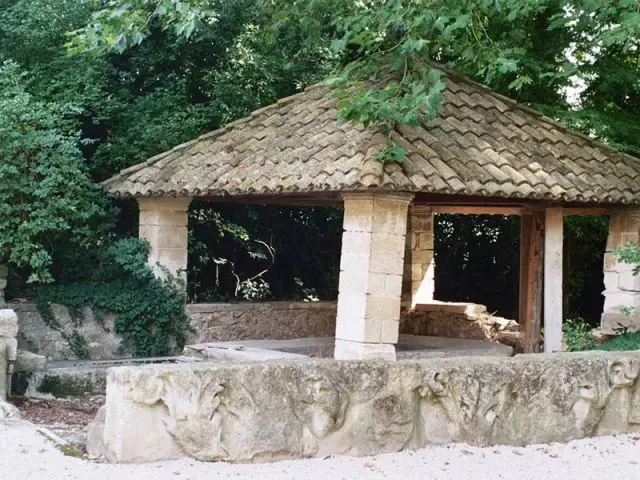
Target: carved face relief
{"type": "Point", "coordinates": [583, 406]}
{"type": "Point", "coordinates": [146, 389]}
{"type": "Point", "coordinates": [320, 405]}
{"type": "Point", "coordinates": [623, 374]}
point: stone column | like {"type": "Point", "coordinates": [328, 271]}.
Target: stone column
{"type": "Point", "coordinates": [163, 223]}
{"type": "Point", "coordinates": [8, 349]}
{"type": "Point", "coordinates": [552, 278]}
{"type": "Point", "coordinates": [621, 287]}
{"type": "Point", "coordinates": [419, 266]}
{"type": "Point", "coordinates": [371, 267]}
{"type": "Point", "coordinates": [4, 271]}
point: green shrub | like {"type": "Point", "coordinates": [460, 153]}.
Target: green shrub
{"type": "Point", "coordinates": [578, 335]}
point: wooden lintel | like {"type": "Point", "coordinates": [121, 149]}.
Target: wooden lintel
{"type": "Point", "coordinates": [283, 200]}
{"type": "Point", "coordinates": [531, 269]}
{"type": "Point", "coordinates": [479, 209]}
{"type": "Point", "coordinates": [587, 211]}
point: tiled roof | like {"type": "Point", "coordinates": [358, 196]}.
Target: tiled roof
{"type": "Point", "coordinates": [482, 144]}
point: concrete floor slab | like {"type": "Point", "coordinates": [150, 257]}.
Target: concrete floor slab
{"type": "Point", "coordinates": [409, 346]}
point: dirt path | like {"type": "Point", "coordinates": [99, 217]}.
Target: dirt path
{"type": "Point", "coordinates": [25, 454]}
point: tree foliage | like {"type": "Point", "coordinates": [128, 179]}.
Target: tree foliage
{"type": "Point", "coordinates": [45, 194]}
{"type": "Point", "coordinates": [120, 81]}
{"type": "Point", "coordinates": [531, 49]}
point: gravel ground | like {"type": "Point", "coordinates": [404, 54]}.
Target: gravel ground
{"type": "Point", "coordinates": [25, 454]}
{"type": "Point", "coordinates": [54, 412]}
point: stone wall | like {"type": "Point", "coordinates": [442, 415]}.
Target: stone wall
{"type": "Point", "coordinates": [284, 410]}
{"type": "Point", "coordinates": [256, 321]}
{"type": "Point", "coordinates": [211, 322]}
{"type": "Point", "coordinates": [86, 330]}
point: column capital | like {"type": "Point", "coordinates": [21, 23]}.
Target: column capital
{"type": "Point", "coordinates": [405, 197]}
{"type": "Point", "coordinates": [164, 203]}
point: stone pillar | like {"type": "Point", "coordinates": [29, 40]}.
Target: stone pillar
{"type": "Point", "coordinates": [163, 223]}
{"type": "Point", "coordinates": [8, 349]}
{"type": "Point", "coordinates": [552, 278]}
{"type": "Point", "coordinates": [371, 267]}
{"type": "Point", "coordinates": [4, 271]}
{"type": "Point", "coordinates": [621, 287]}
{"type": "Point", "coordinates": [419, 266]}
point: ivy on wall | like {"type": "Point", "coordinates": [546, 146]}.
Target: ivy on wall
{"type": "Point", "coordinates": [150, 312]}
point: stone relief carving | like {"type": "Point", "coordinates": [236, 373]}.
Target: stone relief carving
{"type": "Point", "coordinates": [439, 412]}
{"type": "Point", "coordinates": [585, 410]}
{"type": "Point", "coordinates": [458, 408]}
{"type": "Point", "coordinates": [320, 404]}
{"type": "Point", "coordinates": [193, 415]}
{"type": "Point", "coordinates": [618, 406]}
{"type": "Point", "coordinates": [275, 410]}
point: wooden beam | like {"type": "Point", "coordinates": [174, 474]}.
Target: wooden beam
{"type": "Point", "coordinates": [280, 200]}
{"type": "Point", "coordinates": [531, 264]}
{"type": "Point", "coordinates": [525, 234]}
{"type": "Point", "coordinates": [587, 211]}
{"type": "Point", "coordinates": [553, 242]}
{"type": "Point", "coordinates": [478, 210]}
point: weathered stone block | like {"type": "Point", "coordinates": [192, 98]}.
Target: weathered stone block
{"type": "Point", "coordinates": [348, 350]}
{"type": "Point", "coordinates": [614, 321]}
{"type": "Point", "coordinates": [27, 362]}
{"type": "Point", "coordinates": [611, 280]}
{"type": "Point", "coordinates": [169, 256]}
{"type": "Point", "coordinates": [357, 328]}
{"type": "Point", "coordinates": [383, 308]}
{"type": "Point", "coordinates": [389, 331]}
{"type": "Point", "coordinates": [627, 281]}
{"type": "Point", "coordinates": [620, 299]}
{"type": "Point", "coordinates": [283, 410]}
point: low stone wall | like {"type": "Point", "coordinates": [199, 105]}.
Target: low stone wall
{"type": "Point", "coordinates": [257, 321]}
{"type": "Point", "coordinates": [285, 410]}
{"type": "Point", "coordinates": [455, 320]}
{"type": "Point", "coordinates": [241, 321]}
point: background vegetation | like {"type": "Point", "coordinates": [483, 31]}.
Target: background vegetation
{"type": "Point", "coordinates": [88, 88]}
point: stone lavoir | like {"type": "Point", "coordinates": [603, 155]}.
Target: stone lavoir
{"type": "Point", "coordinates": [484, 154]}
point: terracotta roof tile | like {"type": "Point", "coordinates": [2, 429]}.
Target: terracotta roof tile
{"type": "Point", "coordinates": [482, 144]}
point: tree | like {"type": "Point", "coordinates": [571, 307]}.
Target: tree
{"type": "Point", "coordinates": [531, 49]}
{"type": "Point", "coordinates": [45, 194]}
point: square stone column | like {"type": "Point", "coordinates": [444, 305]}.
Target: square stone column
{"type": "Point", "coordinates": [371, 267]}
{"type": "Point", "coordinates": [621, 287]}
{"type": "Point", "coordinates": [419, 266]}
{"type": "Point", "coordinates": [163, 223]}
